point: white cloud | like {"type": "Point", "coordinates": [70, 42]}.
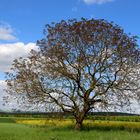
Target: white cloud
{"type": "Point", "coordinates": [9, 52]}
{"type": "Point", "coordinates": [6, 106]}
{"type": "Point", "coordinates": [97, 1]}
{"type": "Point", "coordinates": [6, 32]}
{"type": "Point", "coordinates": [2, 86]}
{"type": "Point", "coordinates": [15, 103]}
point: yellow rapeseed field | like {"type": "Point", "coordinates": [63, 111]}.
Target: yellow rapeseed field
{"type": "Point", "coordinates": [51, 122]}
{"type": "Point", "coordinates": [91, 123]}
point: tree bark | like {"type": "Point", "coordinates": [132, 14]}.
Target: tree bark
{"type": "Point", "coordinates": [80, 116]}
{"type": "Point", "coordinates": [79, 120]}
{"type": "Point", "coordinates": [78, 125]}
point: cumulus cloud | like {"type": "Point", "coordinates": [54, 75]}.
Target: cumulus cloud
{"type": "Point", "coordinates": [9, 52]}
{"type": "Point", "coordinates": [6, 32]}
{"type": "Point", "coordinates": [11, 103]}
{"type": "Point", "coordinates": [96, 1]}
{"type": "Point", "coordinates": [2, 86]}
{"type": "Point", "coordinates": [6, 106]}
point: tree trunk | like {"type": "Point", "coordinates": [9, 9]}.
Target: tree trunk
{"type": "Point", "coordinates": [80, 116]}
{"type": "Point", "coordinates": [79, 121]}
{"type": "Point", "coordinates": [78, 125]}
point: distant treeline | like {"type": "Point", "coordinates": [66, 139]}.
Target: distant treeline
{"type": "Point", "coordinates": [60, 114]}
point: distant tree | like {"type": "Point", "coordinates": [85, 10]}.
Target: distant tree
{"type": "Point", "coordinates": [81, 65]}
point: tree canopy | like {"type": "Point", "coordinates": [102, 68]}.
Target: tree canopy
{"type": "Point", "coordinates": [80, 66]}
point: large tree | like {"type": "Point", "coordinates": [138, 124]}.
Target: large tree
{"type": "Point", "coordinates": [80, 65]}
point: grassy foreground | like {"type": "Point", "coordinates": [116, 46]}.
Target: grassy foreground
{"type": "Point", "coordinates": [11, 131]}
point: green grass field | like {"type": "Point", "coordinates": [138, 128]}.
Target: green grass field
{"type": "Point", "coordinates": [34, 129]}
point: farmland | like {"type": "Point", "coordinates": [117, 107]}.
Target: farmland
{"type": "Point", "coordinates": [97, 128]}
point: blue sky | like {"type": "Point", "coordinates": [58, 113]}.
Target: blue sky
{"type": "Point", "coordinates": [28, 17]}
{"type": "Point", "coordinates": [22, 22]}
